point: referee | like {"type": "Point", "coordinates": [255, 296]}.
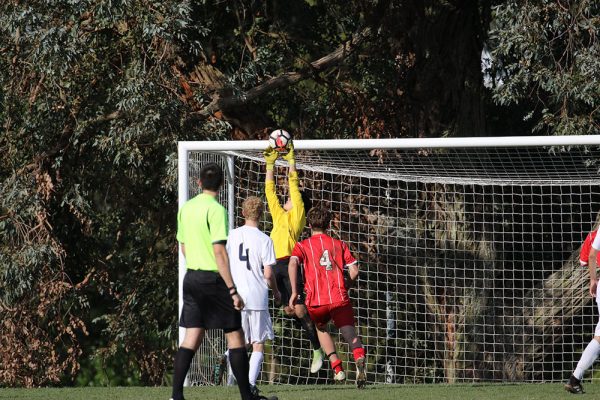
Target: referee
{"type": "Point", "coordinates": [210, 299]}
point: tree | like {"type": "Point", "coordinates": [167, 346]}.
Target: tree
{"type": "Point", "coordinates": [94, 97]}
{"type": "Point", "coordinates": [90, 115]}
{"type": "Point", "coordinates": [358, 69]}
{"type": "Point", "coordinates": [546, 59]}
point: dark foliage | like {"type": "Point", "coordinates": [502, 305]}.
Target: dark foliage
{"type": "Point", "coordinates": [95, 95]}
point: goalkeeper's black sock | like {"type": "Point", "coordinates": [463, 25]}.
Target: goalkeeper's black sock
{"type": "Point", "coordinates": [238, 358]}
{"type": "Point", "coordinates": [297, 323]}
{"type": "Point", "coordinates": [183, 359]}
{"type": "Point", "coordinates": [311, 331]}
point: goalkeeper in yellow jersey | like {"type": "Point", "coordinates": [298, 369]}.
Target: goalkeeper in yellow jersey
{"type": "Point", "coordinates": [288, 223]}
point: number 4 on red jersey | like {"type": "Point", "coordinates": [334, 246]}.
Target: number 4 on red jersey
{"type": "Point", "coordinates": [323, 259]}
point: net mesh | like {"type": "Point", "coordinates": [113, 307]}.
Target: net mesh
{"type": "Point", "coordinates": [468, 258]}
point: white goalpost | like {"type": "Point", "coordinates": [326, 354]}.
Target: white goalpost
{"type": "Point", "coordinates": [468, 250]}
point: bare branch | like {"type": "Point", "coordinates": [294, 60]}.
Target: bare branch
{"type": "Point", "coordinates": [287, 78]}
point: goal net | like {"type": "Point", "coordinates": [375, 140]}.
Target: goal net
{"type": "Point", "coordinates": [468, 256]}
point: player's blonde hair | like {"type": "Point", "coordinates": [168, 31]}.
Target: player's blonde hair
{"type": "Point", "coordinates": [252, 208]}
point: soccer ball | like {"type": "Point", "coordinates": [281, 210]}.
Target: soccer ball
{"type": "Point", "coordinates": [280, 139]}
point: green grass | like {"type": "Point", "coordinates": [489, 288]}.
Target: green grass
{"type": "Point", "coordinates": [548, 391]}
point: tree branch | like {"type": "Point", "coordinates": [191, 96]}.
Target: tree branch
{"type": "Point", "coordinates": [287, 78]}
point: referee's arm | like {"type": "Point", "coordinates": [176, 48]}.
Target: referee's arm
{"type": "Point", "coordinates": [222, 260]}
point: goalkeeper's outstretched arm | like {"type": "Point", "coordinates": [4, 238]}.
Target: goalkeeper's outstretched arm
{"type": "Point", "coordinates": [270, 157]}
{"type": "Point", "coordinates": [274, 207]}
{"type": "Point", "coordinates": [290, 157]}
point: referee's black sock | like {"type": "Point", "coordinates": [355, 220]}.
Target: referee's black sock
{"type": "Point", "coordinates": [238, 358]}
{"type": "Point", "coordinates": [183, 359]}
{"type": "Point", "coordinates": [311, 331]}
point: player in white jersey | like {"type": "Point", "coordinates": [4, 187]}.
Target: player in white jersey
{"type": "Point", "coordinates": [252, 257]}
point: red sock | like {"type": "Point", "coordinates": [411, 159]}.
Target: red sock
{"type": "Point", "coordinates": [358, 352]}
{"type": "Point", "coordinates": [337, 365]}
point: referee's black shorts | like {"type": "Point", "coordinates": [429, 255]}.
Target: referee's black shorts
{"type": "Point", "coordinates": [284, 285]}
{"type": "Point", "coordinates": [207, 303]}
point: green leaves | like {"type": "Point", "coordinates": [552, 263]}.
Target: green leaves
{"type": "Point", "coordinates": [94, 96]}
{"type": "Point", "coordinates": [90, 111]}
{"type": "Point", "coordinates": [548, 56]}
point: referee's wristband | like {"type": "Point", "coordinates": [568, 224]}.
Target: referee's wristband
{"type": "Point", "coordinates": [232, 290]}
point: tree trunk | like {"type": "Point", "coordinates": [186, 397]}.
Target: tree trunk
{"type": "Point", "coordinates": [439, 45]}
{"type": "Point", "coordinates": [455, 309]}
{"type": "Point", "coordinates": [542, 321]}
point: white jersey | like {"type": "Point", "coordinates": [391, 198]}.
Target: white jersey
{"type": "Point", "coordinates": [596, 242]}
{"type": "Point", "coordinates": [249, 251]}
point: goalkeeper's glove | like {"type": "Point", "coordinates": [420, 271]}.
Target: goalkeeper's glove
{"type": "Point", "coordinates": [270, 157]}
{"type": "Point", "coordinates": [290, 157]}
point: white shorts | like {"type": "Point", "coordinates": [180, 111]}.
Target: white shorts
{"type": "Point", "coordinates": [257, 326]}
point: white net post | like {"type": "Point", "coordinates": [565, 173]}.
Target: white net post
{"type": "Point", "coordinates": [206, 360]}
{"type": "Point", "coordinates": [468, 250]}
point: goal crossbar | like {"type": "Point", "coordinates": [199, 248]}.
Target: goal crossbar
{"type": "Point", "coordinates": [399, 143]}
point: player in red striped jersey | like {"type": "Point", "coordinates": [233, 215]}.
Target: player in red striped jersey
{"type": "Point", "coordinates": [323, 260]}
{"type": "Point", "coordinates": [586, 247]}
{"type": "Point", "coordinates": [588, 256]}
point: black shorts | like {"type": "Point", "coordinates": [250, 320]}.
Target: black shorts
{"type": "Point", "coordinates": [207, 303]}
{"type": "Point", "coordinates": [284, 285]}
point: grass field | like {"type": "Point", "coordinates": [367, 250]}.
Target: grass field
{"type": "Point", "coordinates": [316, 392]}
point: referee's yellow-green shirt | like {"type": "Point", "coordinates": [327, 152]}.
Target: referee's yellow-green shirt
{"type": "Point", "coordinates": [287, 226]}
{"type": "Point", "coordinates": [201, 222]}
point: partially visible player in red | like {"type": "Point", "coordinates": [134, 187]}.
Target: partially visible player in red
{"type": "Point", "coordinates": [323, 260]}
{"type": "Point", "coordinates": [584, 254]}
{"type": "Point", "coordinates": [589, 257]}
